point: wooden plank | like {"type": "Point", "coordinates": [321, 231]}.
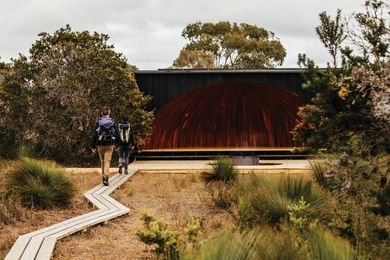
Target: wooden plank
{"type": "Point", "coordinates": [111, 182]}
{"type": "Point", "coordinates": [103, 200]}
{"type": "Point", "coordinates": [65, 222]}
{"type": "Point", "coordinates": [100, 186]}
{"type": "Point", "coordinates": [18, 248]}
{"type": "Point", "coordinates": [95, 201]}
{"type": "Point", "coordinates": [33, 247]}
{"type": "Point", "coordinates": [115, 203]}
{"type": "Point", "coordinates": [36, 241]}
{"type": "Point", "coordinates": [40, 244]}
{"type": "Point", "coordinates": [47, 248]}
{"type": "Point", "coordinates": [92, 222]}
{"type": "Point", "coordinates": [118, 183]}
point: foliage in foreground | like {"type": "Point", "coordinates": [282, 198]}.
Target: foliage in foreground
{"type": "Point", "coordinates": [165, 239]}
{"type": "Point", "coordinates": [352, 102]}
{"type": "Point", "coordinates": [362, 189]}
{"type": "Point", "coordinates": [223, 170]}
{"type": "Point", "coordinates": [270, 200]}
{"type": "Point", "coordinates": [40, 183]}
{"type": "Point", "coordinates": [269, 244]}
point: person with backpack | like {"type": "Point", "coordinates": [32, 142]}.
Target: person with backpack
{"type": "Point", "coordinates": [104, 141]}
{"type": "Point", "coordinates": [126, 145]}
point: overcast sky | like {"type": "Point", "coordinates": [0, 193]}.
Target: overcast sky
{"type": "Point", "coordinates": [148, 32]}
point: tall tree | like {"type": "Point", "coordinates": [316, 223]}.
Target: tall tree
{"type": "Point", "coordinates": [229, 45]}
{"type": "Point", "coordinates": [69, 76]}
{"type": "Point", "coordinates": [350, 103]}
{"type": "Point", "coordinates": [369, 31]}
{"type": "Point", "coordinates": [331, 33]}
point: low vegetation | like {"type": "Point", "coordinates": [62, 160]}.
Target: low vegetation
{"type": "Point", "coordinates": [40, 184]}
{"type": "Point", "coordinates": [361, 188]}
{"type": "Point", "coordinates": [16, 219]}
{"type": "Point", "coordinates": [167, 240]}
{"type": "Point", "coordinates": [267, 244]}
{"type": "Point", "coordinates": [275, 200]}
{"type": "Point", "coordinates": [223, 170]}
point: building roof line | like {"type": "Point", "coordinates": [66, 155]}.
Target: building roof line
{"type": "Point", "coordinates": [196, 71]}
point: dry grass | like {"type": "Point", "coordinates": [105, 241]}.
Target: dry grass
{"type": "Point", "coordinates": [17, 220]}
{"type": "Point", "coordinates": [174, 197]}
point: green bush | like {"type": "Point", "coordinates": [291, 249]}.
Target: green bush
{"type": "Point", "coordinates": [167, 240]}
{"type": "Point", "coordinates": [361, 188]}
{"type": "Point", "coordinates": [325, 246]}
{"type": "Point", "coordinates": [226, 244]}
{"type": "Point", "coordinates": [223, 170]}
{"type": "Point", "coordinates": [270, 244]}
{"type": "Point", "coordinates": [40, 183]}
{"type": "Point", "coordinates": [271, 200]}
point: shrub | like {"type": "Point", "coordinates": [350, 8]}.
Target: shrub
{"type": "Point", "coordinates": [40, 184]}
{"type": "Point", "coordinates": [226, 244]}
{"type": "Point", "coordinates": [351, 174]}
{"type": "Point", "coordinates": [267, 244]}
{"type": "Point", "coordinates": [223, 170]}
{"type": "Point", "coordinates": [271, 200]}
{"type": "Point", "coordinates": [325, 246]}
{"type": "Point", "coordinates": [167, 240]}
{"type": "Point", "coordinates": [361, 188]}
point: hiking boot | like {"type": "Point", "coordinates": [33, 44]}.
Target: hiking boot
{"type": "Point", "coordinates": [120, 169]}
{"type": "Point", "coordinates": [105, 180]}
{"type": "Point", "coordinates": [126, 171]}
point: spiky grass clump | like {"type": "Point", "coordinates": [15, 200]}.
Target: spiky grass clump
{"type": "Point", "coordinates": [226, 244]}
{"type": "Point", "coordinates": [223, 170]}
{"type": "Point", "coordinates": [324, 246]}
{"type": "Point", "coordinates": [267, 244]}
{"type": "Point", "coordinates": [270, 200]}
{"type": "Point", "coordinates": [40, 183]}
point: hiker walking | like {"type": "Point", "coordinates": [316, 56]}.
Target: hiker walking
{"type": "Point", "coordinates": [105, 140]}
{"type": "Point", "coordinates": [126, 145]}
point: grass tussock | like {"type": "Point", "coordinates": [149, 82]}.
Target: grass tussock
{"type": "Point", "coordinates": [40, 184]}
{"type": "Point", "coordinates": [223, 170]}
{"type": "Point", "coordinates": [324, 246]}
{"type": "Point", "coordinates": [267, 244]}
{"type": "Point", "coordinates": [270, 200]}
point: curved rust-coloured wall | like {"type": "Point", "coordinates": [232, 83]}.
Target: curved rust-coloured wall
{"type": "Point", "coordinates": [239, 114]}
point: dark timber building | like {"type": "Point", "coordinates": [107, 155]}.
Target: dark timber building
{"type": "Point", "coordinates": [223, 109]}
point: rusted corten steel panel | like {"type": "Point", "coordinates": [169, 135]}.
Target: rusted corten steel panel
{"type": "Point", "coordinates": [236, 114]}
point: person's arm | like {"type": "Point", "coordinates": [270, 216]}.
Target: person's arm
{"type": "Point", "coordinates": [117, 138]}
{"type": "Point", "coordinates": [94, 137]}
{"type": "Point", "coordinates": [132, 140]}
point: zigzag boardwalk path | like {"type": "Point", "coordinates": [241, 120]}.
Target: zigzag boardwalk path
{"type": "Point", "coordinates": [40, 244]}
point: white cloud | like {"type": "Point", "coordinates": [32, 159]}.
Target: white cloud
{"type": "Point", "coordinates": [148, 32]}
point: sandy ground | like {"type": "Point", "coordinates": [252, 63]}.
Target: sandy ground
{"type": "Point", "coordinates": [174, 197]}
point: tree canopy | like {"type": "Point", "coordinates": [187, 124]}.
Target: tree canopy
{"type": "Point", "coordinates": [351, 104]}
{"type": "Point", "coordinates": [229, 45]}
{"type": "Point", "coordinates": [60, 88]}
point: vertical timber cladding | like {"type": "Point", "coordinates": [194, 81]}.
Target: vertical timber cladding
{"type": "Point", "coordinates": [223, 108]}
